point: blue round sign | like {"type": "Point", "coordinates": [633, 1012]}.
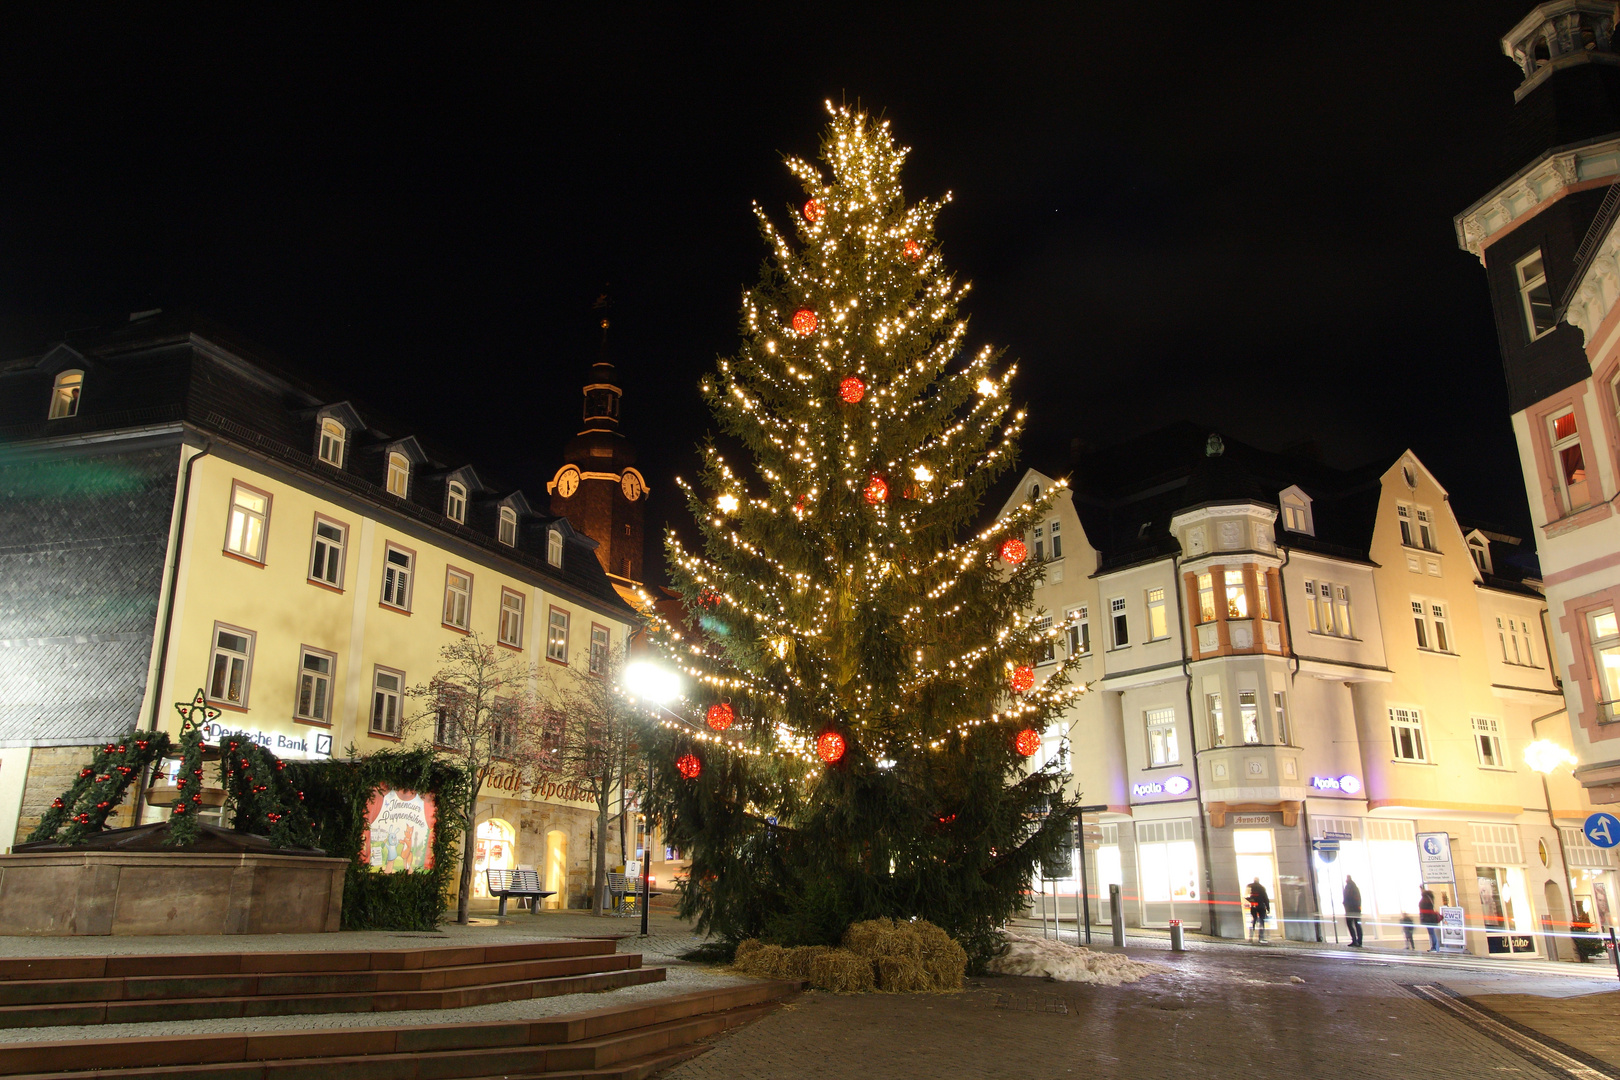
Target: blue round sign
{"type": "Point", "coordinates": [1602, 829]}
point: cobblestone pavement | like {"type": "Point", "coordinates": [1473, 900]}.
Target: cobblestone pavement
{"type": "Point", "coordinates": [1218, 1013]}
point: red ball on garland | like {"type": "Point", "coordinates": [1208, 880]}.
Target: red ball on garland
{"type": "Point", "coordinates": [914, 250]}
{"type": "Point", "coordinates": [720, 716]}
{"type": "Point", "coordinates": [851, 390]}
{"type": "Point", "coordinates": [1013, 551]}
{"type": "Point", "coordinates": [830, 747]}
{"type": "Point", "coordinates": [798, 505]}
{"type": "Point", "coordinates": [1028, 741]}
{"type": "Point", "coordinates": [814, 211]}
{"type": "Point", "coordinates": [1023, 677]}
{"type": "Point", "coordinates": [689, 766]}
{"type": "Point", "coordinates": [804, 322]}
{"type": "Point", "coordinates": [877, 489]}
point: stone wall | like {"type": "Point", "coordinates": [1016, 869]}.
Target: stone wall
{"type": "Point", "coordinates": [51, 771]}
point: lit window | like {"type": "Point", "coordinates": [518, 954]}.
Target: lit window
{"type": "Point", "coordinates": [1327, 607]}
{"type": "Point", "coordinates": [1262, 594]}
{"type": "Point", "coordinates": [1605, 631]}
{"type": "Point", "coordinates": [1161, 731]}
{"type": "Point", "coordinates": [65, 395]}
{"type": "Point", "coordinates": [1296, 512]}
{"type": "Point", "coordinates": [554, 547]}
{"type": "Point", "coordinates": [1057, 542]}
{"type": "Point", "coordinates": [511, 629]}
{"type": "Point", "coordinates": [1045, 643]}
{"type": "Point", "coordinates": [457, 598]}
{"type": "Point", "coordinates": [249, 521]}
{"type": "Point", "coordinates": [333, 436]}
{"type": "Point", "coordinates": [397, 568]}
{"type": "Point", "coordinates": [231, 666]}
{"type": "Point", "coordinates": [1433, 627]}
{"type": "Point", "coordinates": [326, 553]}
{"type": "Point", "coordinates": [386, 687]}
{"type": "Point", "coordinates": [1481, 554]}
{"type": "Point", "coordinates": [1310, 608]}
{"type": "Point", "coordinates": [1249, 714]}
{"type": "Point", "coordinates": [1237, 601]}
{"type": "Point", "coordinates": [1488, 744]}
{"type": "Point", "coordinates": [315, 686]}
{"type": "Point", "coordinates": [455, 502]}
{"type": "Point", "coordinates": [1206, 598]}
{"type": "Point", "coordinates": [1570, 459]}
{"type": "Point", "coordinates": [557, 636]}
{"type": "Point", "coordinates": [1279, 713]}
{"type": "Point", "coordinates": [1535, 296]}
{"type": "Point", "coordinates": [1403, 514]}
{"type": "Point", "coordinates": [399, 474]}
{"type": "Point", "coordinates": [1426, 530]}
{"type": "Point", "coordinates": [599, 649]}
{"type": "Point", "coordinates": [1122, 633]}
{"type": "Point", "coordinates": [1217, 719]}
{"type": "Point", "coordinates": [1158, 621]}
{"type": "Point", "coordinates": [508, 534]}
{"type": "Point", "coordinates": [1406, 729]}
{"type": "Point", "coordinates": [1341, 610]}
{"type": "Point", "coordinates": [1421, 624]}
{"type": "Point", "coordinates": [1442, 632]}
{"type": "Point", "coordinates": [1079, 631]}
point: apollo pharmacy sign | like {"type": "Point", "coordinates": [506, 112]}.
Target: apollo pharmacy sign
{"type": "Point", "coordinates": [1348, 784]}
{"type": "Point", "coordinates": [317, 745]}
{"type": "Point", "coordinates": [1170, 785]}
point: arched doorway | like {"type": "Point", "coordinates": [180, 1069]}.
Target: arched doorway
{"type": "Point", "coordinates": [557, 868]}
{"type": "Point", "coordinates": [494, 848]}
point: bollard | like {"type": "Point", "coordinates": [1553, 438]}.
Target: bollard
{"type": "Point", "coordinates": [1119, 916]}
{"type": "Point", "coordinates": [1176, 943]}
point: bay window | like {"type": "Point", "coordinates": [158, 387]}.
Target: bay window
{"type": "Point", "coordinates": [1237, 600]}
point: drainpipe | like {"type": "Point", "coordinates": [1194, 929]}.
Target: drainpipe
{"type": "Point", "coordinates": [1304, 807]}
{"type": "Point", "coordinates": [1192, 729]}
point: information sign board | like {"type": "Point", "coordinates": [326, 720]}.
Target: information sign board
{"type": "Point", "coordinates": [1434, 858]}
{"type": "Point", "coordinates": [1452, 934]}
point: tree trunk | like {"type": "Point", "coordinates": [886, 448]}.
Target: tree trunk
{"type": "Point", "coordinates": [600, 885]}
{"type": "Point", "coordinates": [464, 894]}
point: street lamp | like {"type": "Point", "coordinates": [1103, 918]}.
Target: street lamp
{"type": "Point", "coordinates": [1543, 756]}
{"type": "Point", "coordinates": [658, 686]}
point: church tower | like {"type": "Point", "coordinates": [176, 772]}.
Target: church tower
{"type": "Point", "coordinates": [598, 489]}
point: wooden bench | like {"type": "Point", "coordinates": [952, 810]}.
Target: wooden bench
{"type": "Point", "coordinates": [518, 883]}
{"type": "Point", "coordinates": [626, 893]}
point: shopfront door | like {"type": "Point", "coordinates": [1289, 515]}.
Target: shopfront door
{"type": "Point", "coordinates": [1167, 871]}
{"type": "Point", "coordinates": [493, 849]}
{"type": "Point", "coordinates": [1257, 861]}
{"type": "Point", "coordinates": [1505, 909]}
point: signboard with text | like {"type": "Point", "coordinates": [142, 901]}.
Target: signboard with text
{"type": "Point", "coordinates": [399, 831]}
{"type": "Point", "coordinates": [1434, 858]}
{"type": "Point", "coordinates": [1452, 933]}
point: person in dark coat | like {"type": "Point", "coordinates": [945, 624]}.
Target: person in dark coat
{"type": "Point", "coordinates": [1430, 918]}
{"type": "Point", "coordinates": [1259, 909]}
{"type": "Point", "coordinates": [1352, 910]}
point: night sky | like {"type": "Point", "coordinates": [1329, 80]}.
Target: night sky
{"type": "Point", "coordinates": [1167, 212]}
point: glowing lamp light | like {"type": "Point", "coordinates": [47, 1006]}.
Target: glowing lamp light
{"type": "Point", "coordinates": [877, 489]}
{"type": "Point", "coordinates": [652, 683]}
{"type": "Point", "coordinates": [720, 716]}
{"type": "Point", "coordinates": [804, 322]}
{"type": "Point", "coordinates": [689, 766]}
{"type": "Point", "coordinates": [1027, 742]}
{"type": "Point", "coordinates": [1023, 677]}
{"type": "Point", "coordinates": [814, 211]}
{"type": "Point", "coordinates": [922, 473]}
{"type": "Point", "coordinates": [1013, 551]}
{"type": "Point", "coordinates": [830, 747]}
{"type": "Point", "coordinates": [914, 250]}
{"type": "Point", "coordinates": [1544, 756]}
{"type": "Point", "coordinates": [851, 390]}
{"type": "Point", "coordinates": [727, 504]}
{"type": "Point", "coordinates": [987, 388]}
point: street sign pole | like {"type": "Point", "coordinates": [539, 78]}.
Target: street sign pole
{"type": "Point", "coordinates": [1085, 877]}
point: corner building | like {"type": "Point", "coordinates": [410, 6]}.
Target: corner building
{"type": "Point", "coordinates": [1279, 652]}
{"type": "Point", "coordinates": [180, 512]}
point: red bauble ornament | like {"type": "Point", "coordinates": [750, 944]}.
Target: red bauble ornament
{"type": "Point", "coordinates": [1028, 741]}
{"type": "Point", "coordinates": [689, 766]}
{"type": "Point", "coordinates": [1013, 551]}
{"type": "Point", "coordinates": [877, 489]}
{"type": "Point", "coordinates": [914, 250]}
{"type": "Point", "coordinates": [1023, 677]}
{"type": "Point", "coordinates": [798, 505]}
{"type": "Point", "coordinates": [830, 747]}
{"type": "Point", "coordinates": [804, 322]}
{"type": "Point", "coordinates": [851, 390]}
{"type": "Point", "coordinates": [720, 716]}
{"type": "Point", "coordinates": [814, 211]}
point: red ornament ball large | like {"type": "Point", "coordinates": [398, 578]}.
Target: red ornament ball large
{"type": "Point", "coordinates": [1023, 677]}
{"type": "Point", "coordinates": [814, 211]}
{"type": "Point", "coordinates": [1028, 741]}
{"type": "Point", "coordinates": [914, 250]}
{"type": "Point", "coordinates": [804, 322]}
{"type": "Point", "coordinates": [830, 747]}
{"type": "Point", "coordinates": [851, 390]}
{"type": "Point", "coordinates": [1013, 551]}
{"type": "Point", "coordinates": [720, 716]}
{"type": "Point", "coordinates": [877, 489]}
{"type": "Point", "coordinates": [689, 766]}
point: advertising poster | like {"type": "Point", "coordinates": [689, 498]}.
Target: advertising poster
{"type": "Point", "coordinates": [1452, 933]}
{"type": "Point", "coordinates": [399, 831]}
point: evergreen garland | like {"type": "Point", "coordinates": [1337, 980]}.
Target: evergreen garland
{"type": "Point", "coordinates": [82, 810]}
{"type": "Point", "coordinates": [183, 830]}
{"type": "Point", "coordinates": [260, 799]}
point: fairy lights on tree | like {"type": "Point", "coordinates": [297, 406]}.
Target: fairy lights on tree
{"type": "Point", "coordinates": [863, 636]}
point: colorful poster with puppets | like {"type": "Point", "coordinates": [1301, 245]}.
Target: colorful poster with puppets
{"type": "Point", "coordinates": [399, 831]}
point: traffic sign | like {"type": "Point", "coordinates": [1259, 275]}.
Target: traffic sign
{"type": "Point", "coordinates": [1326, 845]}
{"type": "Point", "coordinates": [1602, 829]}
{"type": "Point", "coordinates": [1337, 835]}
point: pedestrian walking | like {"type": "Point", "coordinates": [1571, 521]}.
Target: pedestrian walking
{"type": "Point", "coordinates": [1430, 918]}
{"type": "Point", "coordinates": [1407, 928]}
{"type": "Point", "coordinates": [1352, 910]}
{"type": "Point", "coordinates": [1259, 909]}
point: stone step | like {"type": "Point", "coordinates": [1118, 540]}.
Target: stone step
{"type": "Point", "coordinates": [146, 1011]}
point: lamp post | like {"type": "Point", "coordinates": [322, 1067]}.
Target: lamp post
{"type": "Point", "coordinates": [1543, 756]}
{"type": "Point", "coordinates": [646, 681]}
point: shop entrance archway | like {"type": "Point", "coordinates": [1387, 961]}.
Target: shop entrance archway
{"type": "Point", "coordinates": [557, 868]}
{"type": "Point", "coordinates": [494, 848]}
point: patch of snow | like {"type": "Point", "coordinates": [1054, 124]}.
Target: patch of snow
{"type": "Point", "coordinates": [1026, 955]}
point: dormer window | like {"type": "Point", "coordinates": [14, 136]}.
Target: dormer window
{"type": "Point", "coordinates": [455, 502]}
{"type": "Point", "coordinates": [399, 474]}
{"type": "Point", "coordinates": [1481, 551]}
{"type": "Point", "coordinates": [1535, 296]}
{"type": "Point", "coordinates": [65, 394]}
{"type": "Point", "coordinates": [554, 547]}
{"type": "Point", "coordinates": [1296, 512]}
{"type": "Point", "coordinates": [333, 436]}
{"type": "Point", "coordinates": [508, 530]}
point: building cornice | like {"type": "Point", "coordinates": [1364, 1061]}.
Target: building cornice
{"type": "Point", "coordinates": [1594, 295]}
{"type": "Point", "coordinates": [1548, 178]}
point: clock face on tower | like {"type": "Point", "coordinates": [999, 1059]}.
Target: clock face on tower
{"type": "Point", "coordinates": [567, 481]}
{"type": "Point", "coordinates": [630, 482]}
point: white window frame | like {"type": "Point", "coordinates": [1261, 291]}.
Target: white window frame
{"type": "Point", "coordinates": [1163, 743]}
{"type": "Point", "coordinates": [1608, 706]}
{"type": "Point", "coordinates": [1441, 621]}
{"type": "Point", "coordinates": [1237, 604]}
{"type": "Point", "coordinates": [1481, 552]}
{"type": "Point", "coordinates": [1528, 283]}
{"type": "Point", "coordinates": [387, 703]}
{"type": "Point", "coordinates": [1057, 541]}
{"type": "Point", "coordinates": [1207, 612]}
{"type": "Point", "coordinates": [1488, 748]}
{"type": "Point", "coordinates": [510, 631]}
{"type": "Point", "coordinates": [66, 392]}
{"type": "Point", "coordinates": [557, 635]}
{"type": "Point", "coordinates": [237, 537]}
{"type": "Point", "coordinates": [457, 596]}
{"type": "Point", "coordinates": [1158, 621]}
{"type": "Point", "coordinates": [1408, 721]}
{"type": "Point", "coordinates": [1279, 716]}
{"type": "Point", "coordinates": [1566, 486]}
{"type": "Point", "coordinates": [327, 555]}
{"type": "Point", "coordinates": [1216, 712]}
{"type": "Point", "coordinates": [1079, 625]}
{"type": "Point", "coordinates": [231, 654]}
{"type": "Point", "coordinates": [1040, 544]}
{"type": "Point", "coordinates": [455, 502]}
{"type": "Point", "coordinates": [1119, 626]}
{"type": "Point", "coordinates": [554, 547]}
{"type": "Point", "coordinates": [1046, 644]}
{"type": "Point", "coordinates": [601, 649]}
{"type": "Point", "coordinates": [1296, 512]}
{"type": "Point", "coordinates": [334, 438]}
{"type": "Point", "coordinates": [313, 677]}
{"type": "Point", "coordinates": [399, 474]}
{"type": "Point", "coordinates": [1403, 516]}
{"type": "Point", "coordinates": [1249, 716]}
{"type": "Point", "coordinates": [507, 530]}
{"type": "Point", "coordinates": [1425, 527]}
{"type": "Point", "coordinates": [399, 578]}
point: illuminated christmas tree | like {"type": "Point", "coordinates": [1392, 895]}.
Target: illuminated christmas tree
{"type": "Point", "coordinates": [865, 700]}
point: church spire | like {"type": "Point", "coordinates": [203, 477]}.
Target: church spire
{"type": "Point", "coordinates": [602, 391]}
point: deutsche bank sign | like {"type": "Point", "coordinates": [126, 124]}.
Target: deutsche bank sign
{"type": "Point", "coordinates": [1170, 785]}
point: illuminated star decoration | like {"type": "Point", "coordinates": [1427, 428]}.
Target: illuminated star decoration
{"type": "Point", "coordinates": [188, 711]}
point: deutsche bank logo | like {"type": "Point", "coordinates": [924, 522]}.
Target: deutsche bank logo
{"type": "Point", "coordinates": [1603, 830]}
